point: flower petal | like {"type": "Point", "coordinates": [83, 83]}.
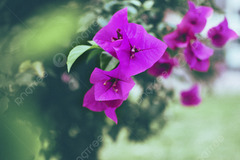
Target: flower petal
{"type": "Point", "coordinates": [149, 50]}
{"type": "Point", "coordinates": [126, 87]}
{"type": "Point", "coordinates": [201, 51]}
{"type": "Point", "coordinates": [201, 65]}
{"type": "Point", "coordinates": [205, 11]}
{"type": "Point", "coordinates": [163, 67]}
{"type": "Point", "coordinates": [111, 85]}
{"type": "Point", "coordinates": [98, 75]}
{"type": "Point", "coordinates": [180, 37]}
{"type": "Point", "coordinates": [195, 63]}
{"type": "Point", "coordinates": [191, 97]}
{"type": "Point", "coordinates": [107, 92]}
{"type": "Point", "coordinates": [98, 106]}
{"type": "Point", "coordinates": [90, 102]}
{"type": "Point", "coordinates": [104, 37]}
{"type": "Point", "coordinates": [110, 113]}
{"type": "Point", "coordinates": [195, 20]}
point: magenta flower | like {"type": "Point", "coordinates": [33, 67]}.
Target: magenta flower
{"type": "Point", "coordinates": [139, 51]}
{"type": "Point", "coordinates": [108, 107]}
{"type": "Point", "coordinates": [221, 34]}
{"type": "Point", "coordinates": [191, 97]}
{"type": "Point", "coordinates": [112, 34]}
{"type": "Point", "coordinates": [197, 56]}
{"type": "Point", "coordinates": [180, 37]}
{"type": "Point", "coordinates": [163, 67]}
{"type": "Point", "coordinates": [111, 85]}
{"type": "Point", "coordinates": [130, 43]}
{"type": "Point", "coordinates": [196, 17]}
{"type": "Point", "coordinates": [109, 91]}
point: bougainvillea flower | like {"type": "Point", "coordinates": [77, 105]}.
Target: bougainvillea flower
{"type": "Point", "coordinates": [197, 56]}
{"type": "Point", "coordinates": [111, 85]}
{"type": "Point", "coordinates": [163, 67]}
{"type": "Point", "coordinates": [196, 17]}
{"type": "Point", "coordinates": [108, 107]}
{"type": "Point", "coordinates": [112, 34]}
{"type": "Point", "coordinates": [139, 51]}
{"type": "Point", "coordinates": [221, 34]}
{"type": "Point", "coordinates": [191, 97]}
{"type": "Point", "coordinates": [180, 37]}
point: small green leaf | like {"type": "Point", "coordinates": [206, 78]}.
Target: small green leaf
{"type": "Point", "coordinates": [95, 47]}
{"type": "Point", "coordinates": [3, 104]}
{"type": "Point", "coordinates": [38, 68]}
{"type": "Point", "coordinates": [136, 3]}
{"type": "Point", "coordinates": [24, 66]}
{"type": "Point", "coordinates": [75, 53]}
{"type": "Point", "coordinates": [147, 5]}
{"type": "Point", "coordinates": [108, 62]}
{"type": "Point", "coordinates": [92, 43]}
{"type": "Point", "coordinates": [132, 10]}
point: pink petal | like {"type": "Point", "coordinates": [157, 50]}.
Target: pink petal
{"type": "Point", "coordinates": [180, 37]}
{"type": "Point", "coordinates": [205, 11]}
{"type": "Point", "coordinates": [106, 92]}
{"type": "Point", "coordinates": [195, 63]}
{"type": "Point", "coordinates": [98, 75]}
{"type": "Point", "coordinates": [191, 5]}
{"type": "Point", "coordinates": [104, 37]}
{"type": "Point", "coordinates": [111, 85]}
{"type": "Point", "coordinates": [201, 65]}
{"type": "Point", "coordinates": [163, 67]}
{"type": "Point", "coordinates": [201, 51]}
{"type": "Point", "coordinates": [191, 97]}
{"type": "Point", "coordinates": [110, 113]}
{"type": "Point", "coordinates": [90, 102]}
{"type": "Point", "coordinates": [98, 106]}
{"type": "Point", "coordinates": [150, 50]}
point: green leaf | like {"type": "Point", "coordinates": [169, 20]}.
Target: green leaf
{"type": "Point", "coordinates": [24, 66]}
{"type": "Point", "coordinates": [92, 43]}
{"type": "Point", "coordinates": [75, 53]}
{"type": "Point", "coordinates": [147, 5]}
{"type": "Point", "coordinates": [3, 104]}
{"type": "Point", "coordinates": [108, 62]}
{"type": "Point", "coordinates": [136, 3]}
{"type": "Point", "coordinates": [92, 54]}
{"type": "Point", "coordinates": [78, 51]}
{"type": "Point", "coordinates": [38, 68]}
{"type": "Point", "coordinates": [95, 47]}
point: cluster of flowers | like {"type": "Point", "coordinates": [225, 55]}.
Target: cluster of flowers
{"type": "Point", "coordinates": [196, 53]}
{"type": "Point", "coordinates": [138, 51]}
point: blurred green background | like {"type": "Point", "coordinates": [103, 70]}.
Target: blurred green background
{"type": "Point", "coordinates": [41, 113]}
